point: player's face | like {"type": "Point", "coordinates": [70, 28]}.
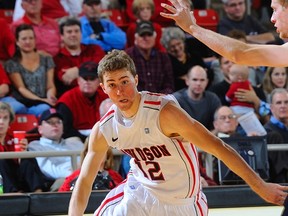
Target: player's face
{"type": "Point", "coordinates": [121, 87]}
{"type": "Point", "coordinates": [279, 106]}
{"type": "Point", "coordinates": [280, 18]}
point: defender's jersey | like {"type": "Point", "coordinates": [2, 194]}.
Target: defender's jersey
{"type": "Point", "coordinates": [167, 167]}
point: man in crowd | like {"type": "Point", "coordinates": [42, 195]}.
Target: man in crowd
{"type": "Point", "coordinates": [154, 67]}
{"type": "Point", "coordinates": [237, 18]}
{"type": "Point", "coordinates": [72, 55]}
{"type": "Point", "coordinates": [80, 105]}
{"type": "Point", "coordinates": [51, 130]}
{"type": "Point", "coordinates": [195, 100]}
{"type": "Point", "coordinates": [46, 29]}
{"type": "Point", "coordinates": [277, 132]}
{"type": "Point", "coordinates": [100, 31]}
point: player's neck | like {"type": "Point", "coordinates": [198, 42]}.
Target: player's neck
{"type": "Point", "coordinates": [130, 113]}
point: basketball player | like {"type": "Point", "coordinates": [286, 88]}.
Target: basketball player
{"type": "Point", "coordinates": [235, 50]}
{"type": "Point", "coordinates": [161, 138]}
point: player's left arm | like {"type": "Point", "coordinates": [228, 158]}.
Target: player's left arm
{"type": "Point", "coordinates": [180, 123]}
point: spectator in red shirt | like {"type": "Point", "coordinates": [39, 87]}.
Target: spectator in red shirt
{"type": "Point", "coordinates": [80, 105]}
{"type": "Point", "coordinates": [46, 29]}
{"type": "Point", "coordinates": [72, 55]}
{"type": "Point", "coordinates": [143, 10]}
{"type": "Point", "coordinates": [7, 41]}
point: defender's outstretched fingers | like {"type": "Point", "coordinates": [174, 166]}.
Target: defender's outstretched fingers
{"type": "Point", "coordinates": [169, 8]}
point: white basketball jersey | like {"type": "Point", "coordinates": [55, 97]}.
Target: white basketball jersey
{"type": "Point", "coordinates": [167, 167]}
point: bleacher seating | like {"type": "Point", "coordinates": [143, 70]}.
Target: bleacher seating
{"type": "Point", "coordinates": [25, 122]}
{"type": "Point", "coordinates": [7, 14]}
{"type": "Point", "coordinates": [207, 18]}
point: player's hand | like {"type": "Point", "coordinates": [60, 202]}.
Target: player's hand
{"type": "Point", "coordinates": [274, 193]}
{"type": "Point", "coordinates": [180, 13]}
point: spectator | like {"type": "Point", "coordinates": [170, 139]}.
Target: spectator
{"type": "Point", "coordinates": [106, 179]}
{"type": "Point", "coordinates": [7, 40]}
{"type": "Point", "coordinates": [236, 18]}
{"type": "Point", "coordinates": [18, 175]}
{"type": "Point", "coordinates": [254, 95]}
{"type": "Point", "coordinates": [238, 76]}
{"type": "Point", "coordinates": [197, 102]}
{"type": "Point", "coordinates": [72, 55]}
{"type": "Point", "coordinates": [51, 130]}
{"type": "Point", "coordinates": [153, 66]}
{"type": "Point", "coordinates": [100, 31]}
{"type": "Point", "coordinates": [156, 15]}
{"type": "Point", "coordinates": [275, 77]}
{"type": "Point", "coordinates": [46, 29]}
{"type": "Point", "coordinates": [31, 73]}
{"type": "Point", "coordinates": [80, 105]}
{"type": "Point", "coordinates": [277, 133]}
{"type": "Point", "coordinates": [173, 39]}
{"type": "Point", "coordinates": [16, 106]}
{"type": "Point", "coordinates": [54, 9]}
{"type": "Point", "coordinates": [225, 122]}
{"type": "Point", "coordinates": [143, 10]}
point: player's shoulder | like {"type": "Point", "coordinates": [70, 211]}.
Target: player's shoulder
{"type": "Point", "coordinates": [108, 116]}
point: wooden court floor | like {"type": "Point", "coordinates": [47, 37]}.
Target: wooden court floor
{"type": "Point", "coordinates": [243, 211]}
{"type": "Point", "coordinates": [247, 211]}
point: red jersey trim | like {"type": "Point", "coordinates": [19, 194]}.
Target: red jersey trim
{"type": "Point", "coordinates": [106, 115]}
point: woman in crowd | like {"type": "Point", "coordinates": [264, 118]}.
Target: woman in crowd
{"type": "Point", "coordinates": [173, 39]}
{"type": "Point", "coordinates": [275, 77]}
{"type": "Point", "coordinates": [31, 73]}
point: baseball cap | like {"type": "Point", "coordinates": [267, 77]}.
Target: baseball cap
{"type": "Point", "coordinates": [46, 115]}
{"type": "Point", "coordinates": [144, 27]}
{"type": "Point", "coordinates": [88, 69]}
{"type": "Point", "coordinates": [88, 2]}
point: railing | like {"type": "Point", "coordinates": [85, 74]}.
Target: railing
{"type": "Point", "coordinates": [209, 157]}
{"type": "Point", "coordinates": [74, 154]}
{"type": "Point", "coordinates": [32, 154]}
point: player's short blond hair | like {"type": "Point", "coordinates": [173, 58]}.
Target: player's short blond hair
{"type": "Point", "coordinates": [115, 60]}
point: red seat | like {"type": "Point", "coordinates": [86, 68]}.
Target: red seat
{"type": "Point", "coordinates": [207, 18]}
{"type": "Point", "coordinates": [117, 16]}
{"type": "Point", "coordinates": [25, 122]}
{"type": "Point", "coordinates": [7, 14]}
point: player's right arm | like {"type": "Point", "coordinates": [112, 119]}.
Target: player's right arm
{"type": "Point", "coordinates": [234, 50]}
{"type": "Point", "coordinates": [96, 152]}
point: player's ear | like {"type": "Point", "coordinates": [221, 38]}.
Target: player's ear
{"type": "Point", "coordinates": [103, 87]}
{"type": "Point", "coordinates": [136, 80]}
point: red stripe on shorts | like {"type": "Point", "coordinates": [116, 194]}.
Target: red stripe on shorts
{"type": "Point", "coordinates": [109, 200]}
